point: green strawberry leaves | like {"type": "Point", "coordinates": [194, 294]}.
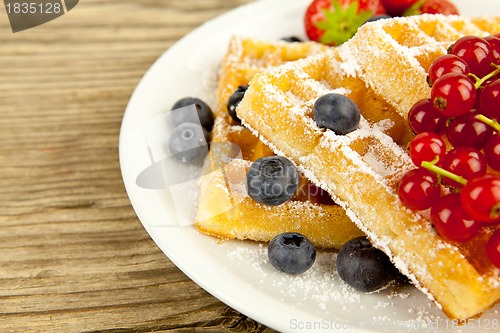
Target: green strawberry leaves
{"type": "Point", "coordinates": [415, 9]}
{"type": "Point", "coordinates": [341, 24]}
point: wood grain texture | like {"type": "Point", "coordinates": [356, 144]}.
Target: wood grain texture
{"type": "Point", "coordinates": [73, 255]}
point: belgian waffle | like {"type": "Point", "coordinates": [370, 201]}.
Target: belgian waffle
{"type": "Point", "coordinates": [224, 208]}
{"type": "Point", "coordinates": [361, 169]}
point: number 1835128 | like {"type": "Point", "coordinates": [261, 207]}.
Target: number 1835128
{"type": "Point", "coordinates": [33, 8]}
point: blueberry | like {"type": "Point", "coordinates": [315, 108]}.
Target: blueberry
{"type": "Point", "coordinates": [272, 180]}
{"type": "Point", "coordinates": [291, 39]}
{"type": "Point", "coordinates": [188, 142]}
{"type": "Point", "coordinates": [291, 253]}
{"type": "Point", "coordinates": [364, 267]}
{"type": "Point", "coordinates": [377, 17]}
{"type": "Point", "coordinates": [234, 100]}
{"type": "Point", "coordinates": [205, 115]}
{"type": "Point", "coordinates": [336, 112]}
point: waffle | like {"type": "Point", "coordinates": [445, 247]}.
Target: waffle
{"type": "Point", "coordinates": [361, 169]}
{"type": "Point", "coordinates": [224, 208]}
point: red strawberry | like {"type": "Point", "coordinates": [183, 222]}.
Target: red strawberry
{"type": "Point", "coordinates": [432, 7]}
{"type": "Point", "coordinates": [333, 22]}
{"type": "Point", "coordinates": [397, 7]}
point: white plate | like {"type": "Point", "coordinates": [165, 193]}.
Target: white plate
{"type": "Point", "coordinates": [238, 272]}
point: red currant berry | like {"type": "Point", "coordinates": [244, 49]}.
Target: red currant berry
{"type": "Point", "coordinates": [493, 248]}
{"type": "Point", "coordinates": [466, 162]}
{"type": "Point", "coordinates": [489, 100]}
{"type": "Point", "coordinates": [481, 198]}
{"type": "Point", "coordinates": [425, 146]}
{"type": "Point", "coordinates": [451, 220]}
{"type": "Point", "coordinates": [495, 48]}
{"type": "Point", "coordinates": [476, 52]}
{"type": "Point", "coordinates": [418, 189]}
{"type": "Point", "coordinates": [423, 117]}
{"type": "Point", "coordinates": [447, 63]}
{"type": "Point", "coordinates": [453, 94]}
{"type": "Point", "coordinates": [492, 152]}
{"type": "Point", "coordinates": [466, 130]}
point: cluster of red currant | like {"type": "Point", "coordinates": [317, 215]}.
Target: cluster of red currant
{"type": "Point", "coordinates": [457, 144]}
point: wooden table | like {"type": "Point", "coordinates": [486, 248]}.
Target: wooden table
{"type": "Point", "coordinates": [73, 255]}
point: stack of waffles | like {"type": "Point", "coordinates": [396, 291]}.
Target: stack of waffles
{"type": "Point", "coordinates": [224, 208]}
{"type": "Point", "coordinates": [383, 69]}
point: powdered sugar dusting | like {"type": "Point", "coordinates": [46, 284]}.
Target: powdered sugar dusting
{"type": "Point", "coordinates": [321, 289]}
{"type": "Point", "coordinates": [401, 264]}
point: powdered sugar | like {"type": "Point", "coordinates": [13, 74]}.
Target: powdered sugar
{"type": "Point", "coordinates": [322, 291]}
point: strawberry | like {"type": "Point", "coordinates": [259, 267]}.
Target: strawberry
{"type": "Point", "coordinates": [332, 22]}
{"type": "Point", "coordinates": [397, 7]}
{"type": "Point", "coordinates": [432, 7]}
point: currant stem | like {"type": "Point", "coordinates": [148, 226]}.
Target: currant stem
{"type": "Point", "coordinates": [480, 81]}
{"type": "Point", "coordinates": [431, 166]}
{"type": "Point", "coordinates": [490, 122]}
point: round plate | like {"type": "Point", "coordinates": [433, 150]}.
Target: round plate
{"type": "Point", "coordinates": [237, 272]}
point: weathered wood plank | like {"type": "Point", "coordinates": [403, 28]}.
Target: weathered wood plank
{"type": "Point", "coordinates": [73, 256]}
